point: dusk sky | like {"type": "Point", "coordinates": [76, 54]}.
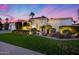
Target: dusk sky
{"type": "Point", "coordinates": [15, 11]}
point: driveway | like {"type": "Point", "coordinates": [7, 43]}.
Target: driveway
{"type": "Point", "coordinates": [8, 49]}
{"type": "Point", "coordinates": [5, 31]}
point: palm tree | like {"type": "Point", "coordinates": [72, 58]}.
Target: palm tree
{"type": "Point", "coordinates": [0, 24]}
{"type": "Point", "coordinates": [32, 14]}
{"type": "Point", "coordinates": [6, 19]}
{"type": "Point", "coordinates": [0, 19]}
{"type": "Point", "coordinates": [6, 25]}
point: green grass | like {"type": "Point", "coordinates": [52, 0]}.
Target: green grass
{"type": "Point", "coordinates": [41, 44]}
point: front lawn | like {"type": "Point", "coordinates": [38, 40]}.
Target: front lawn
{"type": "Point", "coordinates": [41, 44]}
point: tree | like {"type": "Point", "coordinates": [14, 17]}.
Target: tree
{"type": "Point", "coordinates": [1, 24]}
{"type": "Point", "coordinates": [46, 28]}
{"type": "Point", "coordinates": [43, 27]}
{"type": "Point", "coordinates": [18, 25]}
{"type": "Point", "coordinates": [67, 33]}
{"type": "Point", "coordinates": [26, 26]}
{"type": "Point", "coordinates": [43, 16]}
{"type": "Point", "coordinates": [34, 30]}
{"type": "Point", "coordinates": [32, 14]}
{"type": "Point", "coordinates": [6, 25]}
{"type": "Point", "coordinates": [6, 19]}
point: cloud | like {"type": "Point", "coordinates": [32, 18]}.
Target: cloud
{"type": "Point", "coordinates": [65, 13]}
{"type": "Point", "coordinates": [3, 7]}
{"type": "Point", "coordinates": [6, 15]}
{"type": "Point", "coordinates": [46, 10]}
{"type": "Point", "coordinates": [59, 11]}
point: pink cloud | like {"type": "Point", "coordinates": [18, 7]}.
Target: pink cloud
{"type": "Point", "coordinates": [3, 7]}
{"type": "Point", "coordinates": [65, 13]}
{"type": "Point", "coordinates": [54, 13]}
{"type": "Point", "coordinates": [14, 20]}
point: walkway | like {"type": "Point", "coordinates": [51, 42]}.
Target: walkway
{"type": "Point", "coordinates": [8, 49]}
{"type": "Point", "coordinates": [54, 38]}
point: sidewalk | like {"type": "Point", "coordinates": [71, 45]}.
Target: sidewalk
{"type": "Point", "coordinates": [8, 49]}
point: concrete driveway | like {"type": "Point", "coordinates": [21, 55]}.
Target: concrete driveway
{"type": "Point", "coordinates": [5, 31]}
{"type": "Point", "coordinates": [8, 49]}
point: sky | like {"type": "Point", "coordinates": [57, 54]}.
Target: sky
{"type": "Point", "coordinates": [22, 11]}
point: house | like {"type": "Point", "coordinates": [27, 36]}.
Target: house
{"type": "Point", "coordinates": [41, 21]}
{"type": "Point", "coordinates": [38, 22]}
{"type": "Point", "coordinates": [56, 22]}
{"type": "Point", "coordinates": [12, 26]}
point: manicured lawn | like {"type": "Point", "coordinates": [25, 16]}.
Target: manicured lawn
{"type": "Point", "coordinates": [41, 44]}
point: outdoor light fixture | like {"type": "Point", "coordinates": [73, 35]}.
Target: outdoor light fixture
{"type": "Point", "coordinates": [33, 26]}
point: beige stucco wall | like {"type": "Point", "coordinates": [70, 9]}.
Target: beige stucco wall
{"type": "Point", "coordinates": [56, 23]}
{"type": "Point", "coordinates": [37, 23]}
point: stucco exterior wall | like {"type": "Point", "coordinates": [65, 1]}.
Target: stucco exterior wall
{"type": "Point", "coordinates": [56, 23]}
